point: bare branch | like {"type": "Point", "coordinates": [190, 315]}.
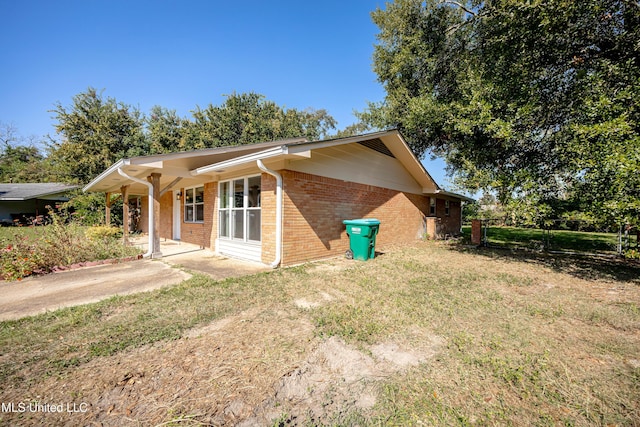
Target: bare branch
{"type": "Point", "coordinates": [460, 5]}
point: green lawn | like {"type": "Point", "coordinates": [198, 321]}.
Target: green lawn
{"type": "Point", "coordinates": [503, 338]}
{"type": "Point", "coordinates": [562, 240]}
{"type": "Point", "coordinates": [11, 233]}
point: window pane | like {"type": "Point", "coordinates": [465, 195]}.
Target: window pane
{"type": "Point", "coordinates": [238, 224]}
{"type": "Point", "coordinates": [238, 193]}
{"type": "Point", "coordinates": [188, 213]}
{"type": "Point", "coordinates": [224, 195]}
{"type": "Point", "coordinates": [188, 198]}
{"type": "Point", "coordinates": [224, 223]}
{"type": "Point", "coordinates": [254, 192]}
{"type": "Point", "coordinates": [253, 224]}
{"type": "Point", "coordinates": [199, 194]}
{"type": "Point", "coordinates": [199, 212]}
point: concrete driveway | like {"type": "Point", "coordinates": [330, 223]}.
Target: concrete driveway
{"type": "Point", "coordinates": [39, 294]}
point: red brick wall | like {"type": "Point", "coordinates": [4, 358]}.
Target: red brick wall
{"type": "Point", "coordinates": [210, 214]}
{"type": "Point", "coordinates": [476, 232]}
{"type": "Point", "coordinates": [444, 224]}
{"type": "Point", "coordinates": [268, 219]}
{"type": "Point", "coordinates": [449, 224]}
{"type": "Point", "coordinates": [203, 233]}
{"type": "Point", "coordinates": [315, 206]}
{"type": "Point", "coordinates": [432, 224]}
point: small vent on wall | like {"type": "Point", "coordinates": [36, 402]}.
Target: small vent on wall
{"type": "Point", "coordinates": [377, 145]}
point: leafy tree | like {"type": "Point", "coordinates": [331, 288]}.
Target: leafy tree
{"type": "Point", "coordinates": [248, 118]}
{"type": "Point", "coordinates": [354, 129]}
{"type": "Point", "coordinates": [165, 131]}
{"type": "Point", "coordinates": [95, 132]}
{"type": "Point", "coordinates": [535, 99]}
{"type": "Point", "coordinates": [20, 158]}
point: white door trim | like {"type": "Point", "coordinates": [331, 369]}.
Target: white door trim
{"type": "Point", "coordinates": [177, 205]}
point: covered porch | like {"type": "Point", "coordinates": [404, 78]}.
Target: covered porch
{"type": "Point", "coordinates": [159, 181]}
{"type": "Point", "coordinates": [195, 258]}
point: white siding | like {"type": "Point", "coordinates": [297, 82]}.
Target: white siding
{"type": "Point", "coordinates": [357, 163]}
{"type": "Point", "coordinates": [236, 249]}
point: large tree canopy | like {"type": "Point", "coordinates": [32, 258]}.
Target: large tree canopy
{"type": "Point", "coordinates": [249, 118]}
{"type": "Point", "coordinates": [20, 158]}
{"type": "Point", "coordinates": [95, 132]}
{"type": "Point", "coordinates": [534, 99]}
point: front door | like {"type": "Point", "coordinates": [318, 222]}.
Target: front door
{"type": "Point", "coordinates": [177, 202]}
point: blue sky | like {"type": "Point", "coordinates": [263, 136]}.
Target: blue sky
{"type": "Point", "coordinates": [183, 54]}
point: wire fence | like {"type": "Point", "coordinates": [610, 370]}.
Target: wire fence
{"type": "Point", "coordinates": [559, 236]}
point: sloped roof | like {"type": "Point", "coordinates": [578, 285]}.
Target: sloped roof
{"type": "Point", "coordinates": [173, 164]}
{"type": "Point", "coordinates": [199, 166]}
{"type": "Point", "coordinates": [27, 191]}
{"type": "Point", "coordinates": [388, 142]}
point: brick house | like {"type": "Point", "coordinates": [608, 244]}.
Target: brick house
{"type": "Point", "coordinates": [283, 202]}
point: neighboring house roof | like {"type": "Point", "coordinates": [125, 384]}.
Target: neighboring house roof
{"type": "Point", "coordinates": [28, 191]}
{"type": "Point", "coordinates": [198, 166]}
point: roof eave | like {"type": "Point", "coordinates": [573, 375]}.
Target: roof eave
{"type": "Point", "coordinates": [40, 195]}
{"type": "Point", "coordinates": [455, 195]}
{"type": "Point", "coordinates": [113, 168]}
{"type": "Point", "coordinates": [222, 166]}
{"type": "Point", "coordinates": [417, 163]}
{"type": "Point", "coordinates": [69, 188]}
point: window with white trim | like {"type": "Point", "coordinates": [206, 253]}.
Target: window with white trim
{"type": "Point", "coordinates": [194, 204]}
{"type": "Point", "coordinates": [447, 207]}
{"type": "Point", "coordinates": [432, 206]}
{"type": "Point", "coordinates": [239, 211]}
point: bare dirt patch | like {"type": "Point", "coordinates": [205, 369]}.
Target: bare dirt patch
{"type": "Point", "coordinates": [337, 378]}
{"type": "Point", "coordinates": [218, 374]}
{"type": "Point", "coordinates": [247, 369]}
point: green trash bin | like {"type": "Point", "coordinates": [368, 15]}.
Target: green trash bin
{"type": "Point", "coordinates": [362, 237]}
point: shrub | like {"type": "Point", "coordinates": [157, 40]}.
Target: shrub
{"type": "Point", "coordinates": [57, 245]}
{"type": "Point", "coordinates": [632, 254]}
{"type": "Point", "coordinates": [101, 232]}
{"type": "Point", "coordinates": [18, 259]}
{"type": "Point", "coordinates": [89, 209]}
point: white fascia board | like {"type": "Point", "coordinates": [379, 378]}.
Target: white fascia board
{"type": "Point", "coordinates": [222, 166]}
{"type": "Point", "coordinates": [113, 168]}
{"type": "Point", "coordinates": [415, 160]}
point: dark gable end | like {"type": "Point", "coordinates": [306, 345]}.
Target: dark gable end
{"type": "Point", "coordinates": [377, 145]}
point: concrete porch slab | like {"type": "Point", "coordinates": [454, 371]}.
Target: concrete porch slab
{"type": "Point", "coordinates": [197, 259]}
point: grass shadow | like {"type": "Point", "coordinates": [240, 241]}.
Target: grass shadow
{"type": "Point", "coordinates": [586, 267]}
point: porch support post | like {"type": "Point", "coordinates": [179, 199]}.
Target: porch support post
{"type": "Point", "coordinates": [155, 205]}
{"type": "Point", "coordinates": [124, 190]}
{"type": "Point", "coordinates": [107, 210]}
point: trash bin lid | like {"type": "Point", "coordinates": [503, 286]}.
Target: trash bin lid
{"type": "Point", "coordinates": [362, 221]}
